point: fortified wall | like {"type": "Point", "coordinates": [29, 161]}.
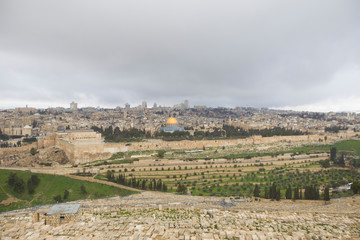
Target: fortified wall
{"type": "Point", "coordinates": [81, 152]}
{"type": "Point", "coordinates": [14, 150]}
{"type": "Point", "coordinates": [86, 146]}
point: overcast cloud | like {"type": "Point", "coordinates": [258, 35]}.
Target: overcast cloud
{"type": "Point", "coordinates": [302, 55]}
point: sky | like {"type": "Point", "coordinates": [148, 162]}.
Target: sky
{"type": "Point", "coordinates": [302, 55]}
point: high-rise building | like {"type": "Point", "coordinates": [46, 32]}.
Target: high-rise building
{"type": "Point", "coordinates": [127, 105]}
{"type": "Point", "coordinates": [144, 104]}
{"type": "Point", "coordinates": [73, 106]}
{"type": "Point", "coordinates": [186, 104]}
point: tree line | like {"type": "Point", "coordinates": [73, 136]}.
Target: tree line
{"type": "Point", "coordinates": [3, 136]}
{"type": "Point", "coordinates": [231, 131]}
{"type": "Point", "coordinates": [143, 184]}
{"type": "Point", "coordinates": [311, 192]}
{"type": "Point", "coordinates": [111, 134]}
{"type": "Point", "coordinates": [117, 135]}
{"type": "Point", "coordinates": [335, 129]}
{"type": "Point", "coordinates": [17, 184]}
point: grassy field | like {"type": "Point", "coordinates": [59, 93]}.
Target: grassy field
{"type": "Point", "coordinates": [50, 186]}
{"type": "Point", "coordinates": [343, 146]}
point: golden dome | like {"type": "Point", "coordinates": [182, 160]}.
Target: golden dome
{"type": "Point", "coordinates": [171, 121]}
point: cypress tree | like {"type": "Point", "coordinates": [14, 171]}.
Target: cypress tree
{"type": "Point", "coordinates": [288, 194]}
{"type": "Point", "coordinates": [341, 160]}
{"type": "Point", "coordinates": [164, 187]}
{"type": "Point", "coordinates": [273, 191]}
{"type": "Point", "coordinates": [333, 154]}
{"type": "Point", "coordinates": [278, 195]}
{"type": "Point", "coordinates": [306, 193]}
{"type": "Point", "coordinates": [317, 193]}
{"type": "Point", "coordinates": [296, 193]}
{"type": "Point", "coordinates": [154, 185]}
{"type": "Point", "coordinates": [266, 194]}
{"type": "Point", "coordinates": [12, 179]}
{"type": "Point", "coordinates": [143, 184]}
{"type": "Point", "coordinates": [256, 191]}
{"type": "Point", "coordinates": [326, 194]}
{"type": "Point", "coordinates": [30, 186]}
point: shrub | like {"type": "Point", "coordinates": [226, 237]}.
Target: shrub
{"type": "Point", "coordinates": [33, 151]}
{"type": "Point", "coordinates": [57, 198]}
{"type": "Point", "coordinates": [66, 194]}
{"type": "Point", "coordinates": [16, 183]}
{"type": "Point", "coordinates": [181, 188]}
{"type": "Point", "coordinates": [161, 153]}
{"type": "Point", "coordinates": [83, 189]}
{"type": "Point", "coordinates": [30, 186]}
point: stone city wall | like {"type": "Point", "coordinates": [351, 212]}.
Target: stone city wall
{"type": "Point", "coordinates": [86, 153]}
{"type": "Point", "coordinates": [5, 151]}
{"type": "Point", "coordinates": [81, 153]}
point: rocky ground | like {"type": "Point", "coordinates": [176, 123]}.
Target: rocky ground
{"type": "Point", "coordinates": [46, 157]}
{"type": "Point", "coordinates": [150, 215]}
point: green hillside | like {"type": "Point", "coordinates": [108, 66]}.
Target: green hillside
{"type": "Point", "coordinates": [50, 186]}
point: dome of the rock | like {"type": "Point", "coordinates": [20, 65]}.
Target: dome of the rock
{"type": "Point", "coordinates": [171, 126]}
{"type": "Point", "coordinates": [171, 121]}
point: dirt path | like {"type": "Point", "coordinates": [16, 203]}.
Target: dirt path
{"type": "Point", "coordinates": [9, 200]}
{"type": "Point", "coordinates": [90, 179]}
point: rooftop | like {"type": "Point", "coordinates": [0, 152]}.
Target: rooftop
{"type": "Point", "coordinates": [64, 209]}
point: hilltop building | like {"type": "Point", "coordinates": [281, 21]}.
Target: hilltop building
{"type": "Point", "coordinates": [171, 126]}
{"type": "Point", "coordinates": [73, 106]}
{"type": "Point", "coordinates": [27, 131]}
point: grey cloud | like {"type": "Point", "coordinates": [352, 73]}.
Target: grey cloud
{"type": "Point", "coordinates": [249, 53]}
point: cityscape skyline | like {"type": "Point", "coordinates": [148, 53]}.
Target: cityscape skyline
{"type": "Point", "coordinates": [149, 105]}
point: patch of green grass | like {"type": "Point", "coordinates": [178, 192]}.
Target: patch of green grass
{"type": "Point", "coordinates": [117, 156]}
{"type": "Point", "coordinates": [311, 149]}
{"type": "Point", "coordinates": [100, 177]}
{"type": "Point", "coordinates": [52, 185]}
{"type": "Point", "coordinates": [348, 146]}
{"type": "Point", "coordinates": [123, 161]}
{"type": "Point", "coordinates": [106, 162]}
{"type": "Point", "coordinates": [145, 152]}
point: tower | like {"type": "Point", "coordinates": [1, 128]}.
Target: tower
{"type": "Point", "coordinates": [73, 106]}
{"type": "Point", "coordinates": [186, 104]}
